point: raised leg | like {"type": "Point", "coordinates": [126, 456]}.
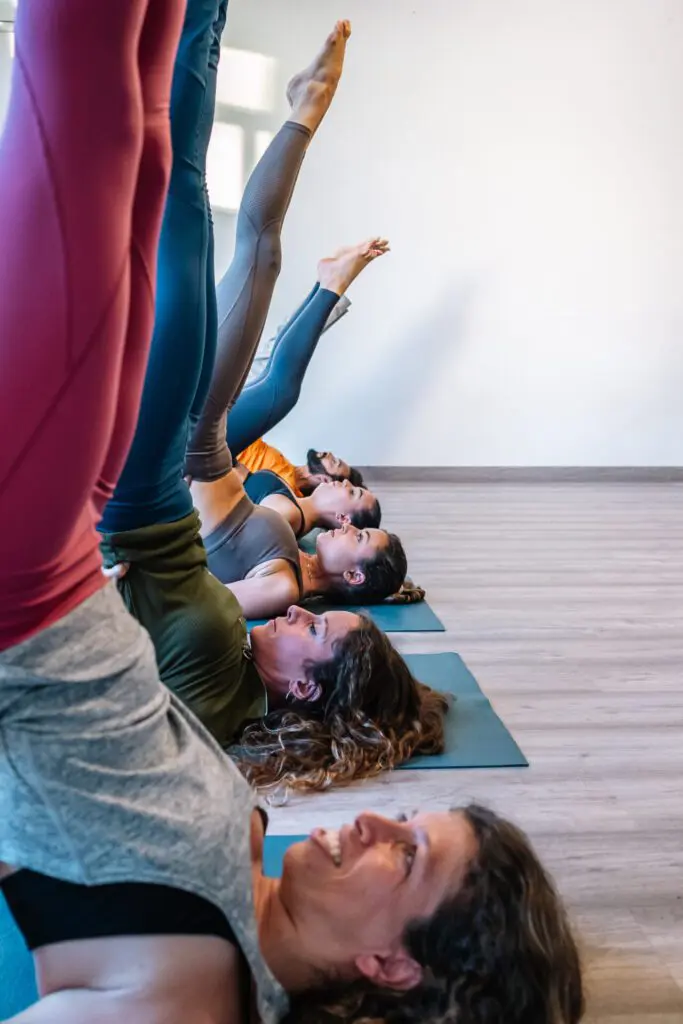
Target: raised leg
{"type": "Point", "coordinates": [69, 171]}
{"type": "Point", "coordinates": [246, 290]}
{"type": "Point", "coordinates": [151, 488]}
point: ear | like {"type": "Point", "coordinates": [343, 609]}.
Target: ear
{"type": "Point", "coordinates": [398, 970]}
{"type": "Point", "coordinates": [354, 576]}
{"type": "Point", "coordinates": [304, 690]}
{"type": "Point", "coordinates": [343, 517]}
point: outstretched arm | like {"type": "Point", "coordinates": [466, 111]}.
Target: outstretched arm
{"type": "Point", "coordinates": [268, 594]}
{"type": "Point", "coordinates": [267, 401]}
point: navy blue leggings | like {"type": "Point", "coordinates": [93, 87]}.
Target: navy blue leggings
{"type": "Point", "coordinates": [151, 488]}
{"type": "Point", "coordinates": [266, 402]}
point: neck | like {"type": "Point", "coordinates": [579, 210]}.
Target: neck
{"type": "Point", "coordinates": [279, 940]}
{"type": "Point", "coordinates": [310, 513]}
{"type": "Point", "coordinates": [302, 477]}
{"type": "Point", "coordinates": [315, 580]}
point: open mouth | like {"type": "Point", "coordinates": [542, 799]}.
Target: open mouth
{"type": "Point", "coordinates": [330, 843]}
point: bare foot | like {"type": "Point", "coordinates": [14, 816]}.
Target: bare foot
{"type": "Point", "coordinates": [337, 272]}
{"type": "Point", "coordinates": [310, 93]}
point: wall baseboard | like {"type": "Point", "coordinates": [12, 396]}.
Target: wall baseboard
{"type": "Point", "coordinates": [523, 474]}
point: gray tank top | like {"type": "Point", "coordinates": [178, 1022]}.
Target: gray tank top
{"type": "Point", "coordinates": [106, 777]}
{"type": "Point", "coordinates": [248, 537]}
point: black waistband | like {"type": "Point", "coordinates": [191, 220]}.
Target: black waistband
{"type": "Point", "coordinates": [48, 910]}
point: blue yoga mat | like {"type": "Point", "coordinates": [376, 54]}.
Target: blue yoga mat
{"type": "Point", "coordinates": [475, 735]}
{"type": "Point", "coordinates": [391, 618]}
{"type": "Point", "coordinates": [17, 981]}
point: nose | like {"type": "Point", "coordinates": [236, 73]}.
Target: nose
{"type": "Point", "coordinates": [296, 614]}
{"type": "Point", "coordinates": [375, 828]}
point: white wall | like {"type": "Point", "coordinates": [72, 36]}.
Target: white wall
{"type": "Point", "coordinates": [526, 159]}
{"type": "Point", "coordinates": [6, 45]}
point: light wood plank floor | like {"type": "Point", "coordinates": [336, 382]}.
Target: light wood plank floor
{"type": "Point", "coordinates": [566, 601]}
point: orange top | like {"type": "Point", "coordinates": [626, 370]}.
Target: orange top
{"type": "Point", "coordinates": [260, 455]}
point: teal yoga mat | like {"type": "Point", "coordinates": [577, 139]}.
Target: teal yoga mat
{"type": "Point", "coordinates": [307, 542]}
{"type": "Point", "coordinates": [17, 981]}
{"type": "Point", "coordinates": [475, 735]}
{"type": "Point", "coordinates": [391, 618]}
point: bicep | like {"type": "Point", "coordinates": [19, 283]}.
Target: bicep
{"type": "Point", "coordinates": [286, 508]}
{"type": "Point", "coordinates": [262, 596]}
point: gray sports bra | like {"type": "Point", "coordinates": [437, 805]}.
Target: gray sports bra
{"type": "Point", "coordinates": [249, 536]}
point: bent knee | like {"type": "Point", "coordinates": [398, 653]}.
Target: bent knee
{"type": "Point", "coordinates": [270, 253]}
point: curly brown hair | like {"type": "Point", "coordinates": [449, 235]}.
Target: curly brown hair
{"type": "Point", "coordinates": [501, 951]}
{"type": "Point", "coordinates": [373, 715]}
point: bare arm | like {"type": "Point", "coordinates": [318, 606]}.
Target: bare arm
{"type": "Point", "coordinates": [270, 592]}
{"type": "Point", "coordinates": [289, 510]}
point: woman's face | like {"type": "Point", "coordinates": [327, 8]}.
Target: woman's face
{"type": "Point", "coordinates": [284, 647]}
{"type": "Point", "coordinates": [352, 893]}
{"type": "Point", "coordinates": [339, 500]}
{"type": "Point", "coordinates": [344, 550]}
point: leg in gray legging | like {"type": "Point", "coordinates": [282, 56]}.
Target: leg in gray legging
{"type": "Point", "coordinates": [245, 294]}
{"type": "Point", "coordinates": [246, 290]}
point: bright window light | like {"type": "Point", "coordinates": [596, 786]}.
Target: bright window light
{"type": "Point", "coordinates": [261, 142]}
{"type": "Point", "coordinates": [246, 80]}
{"type": "Point", "coordinates": [225, 166]}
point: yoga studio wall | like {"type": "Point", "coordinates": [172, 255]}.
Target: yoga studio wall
{"type": "Point", "coordinates": [525, 157]}
{"type": "Point", "coordinates": [7, 11]}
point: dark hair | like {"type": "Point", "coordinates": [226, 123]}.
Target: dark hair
{"type": "Point", "coordinates": [384, 576]}
{"type": "Point", "coordinates": [315, 465]}
{"type": "Point", "coordinates": [367, 518]}
{"type": "Point", "coordinates": [500, 951]}
{"type": "Point", "coordinates": [372, 715]}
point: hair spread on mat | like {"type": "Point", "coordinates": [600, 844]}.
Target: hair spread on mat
{"type": "Point", "coordinates": [373, 715]}
{"type": "Point", "coordinates": [500, 951]}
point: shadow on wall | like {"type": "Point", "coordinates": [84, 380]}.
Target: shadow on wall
{"type": "Point", "coordinates": [421, 353]}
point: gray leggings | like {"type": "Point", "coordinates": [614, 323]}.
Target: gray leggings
{"type": "Point", "coordinates": [245, 293]}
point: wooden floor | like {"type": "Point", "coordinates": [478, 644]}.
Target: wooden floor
{"type": "Point", "coordinates": [566, 601]}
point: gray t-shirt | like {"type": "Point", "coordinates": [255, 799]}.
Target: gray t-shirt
{"type": "Point", "coordinates": [106, 777]}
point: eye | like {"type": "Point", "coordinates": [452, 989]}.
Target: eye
{"type": "Point", "coordinates": [409, 858]}
{"type": "Point", "coordinates": [313, 629]}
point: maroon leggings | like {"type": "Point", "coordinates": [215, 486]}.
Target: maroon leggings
{"type": "Point", "coordinates": [84, 165]}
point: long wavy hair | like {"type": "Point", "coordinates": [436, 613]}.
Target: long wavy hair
{"type": "Point", "coordinates": [372, 715]}
{"type": "Point", "coordinates": [501, 951]}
